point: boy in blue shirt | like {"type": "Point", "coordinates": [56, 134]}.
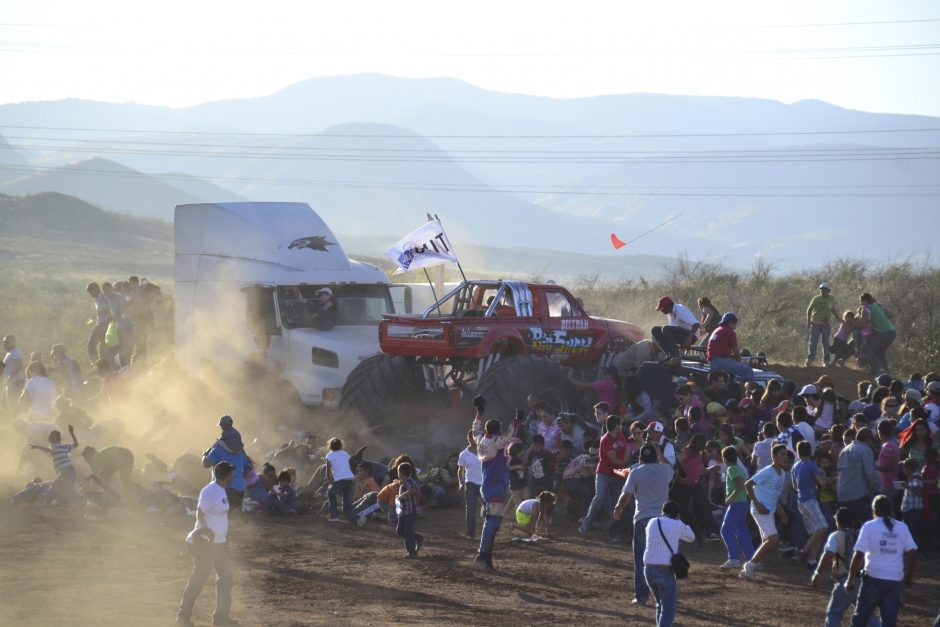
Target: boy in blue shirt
{"type": "Point", "coordinates": [806, 475]}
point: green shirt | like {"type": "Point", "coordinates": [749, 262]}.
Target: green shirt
{"type": "Point", "coordinates": [879, 319]}
{"type": "Point", "coordinates": [820, 308]}
{"type": "Point", "coordinates": [731, 477]}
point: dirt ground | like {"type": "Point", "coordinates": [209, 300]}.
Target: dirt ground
{"type": "Point", "coordinates": [128, 569]}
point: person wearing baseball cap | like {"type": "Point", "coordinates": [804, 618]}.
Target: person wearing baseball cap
{"type": "Point", "coordinates": [324, 316]}
{"type": "Point", "coordinates": [818, 322]}
{"type": "Point", "coordinates": [678, 331]}
{"type": "Point", "coordinates": [648, 483]}
{"type": "Point", "coordinates": [654, 433]}
{"type": "Point", "coordinates": [722, 351]}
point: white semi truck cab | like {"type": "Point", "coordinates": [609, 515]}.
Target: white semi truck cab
{"type": "Point", "coordinates": [247, 283]}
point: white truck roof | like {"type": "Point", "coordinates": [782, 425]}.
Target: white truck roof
{"type": "Point", "coordinates": [280, 243]}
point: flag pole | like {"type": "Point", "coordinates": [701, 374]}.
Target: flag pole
{"type": "Point", "coordinates": [459, 267]}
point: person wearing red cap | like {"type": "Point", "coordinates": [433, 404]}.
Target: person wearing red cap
{"type": "Point", "coordinates": [678, 331]}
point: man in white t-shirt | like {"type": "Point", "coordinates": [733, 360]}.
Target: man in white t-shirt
{"type": "Point", "coordinates": [13, 374]}
{"type": "Point", "coordinates": [342, 481]}
{"type": "Point", "coordinates": [679, 330]}
{"type": "Point", "coordinates": [40, 392]}
{"type": "Point", "coordinates": [470, 478]}
{"type": "Point", "coordinates": [208, 544]}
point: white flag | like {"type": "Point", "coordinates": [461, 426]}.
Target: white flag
{"type": "Point", "coordinates": [424, 247]}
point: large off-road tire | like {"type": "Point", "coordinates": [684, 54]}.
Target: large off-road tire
{"type": "Point", "coordinates": [509, 381]}
{"type": "Point", "coordinates": [377, 388]}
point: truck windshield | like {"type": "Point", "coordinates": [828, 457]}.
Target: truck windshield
{"type": "Point", "coordinates": [355, 304]}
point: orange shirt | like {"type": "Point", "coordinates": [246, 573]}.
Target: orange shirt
{"type": "Point", "coordinates": [389, 493]}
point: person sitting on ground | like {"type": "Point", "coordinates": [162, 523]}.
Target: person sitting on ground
{"type": "Point", "coordinates": [533, 515]}
{"type": "Point", "coordinates": [365, 482]}
{"type": "Point", "coordinates": [110, 461]}
{"type": "Point", "coordinates": [284, 501]}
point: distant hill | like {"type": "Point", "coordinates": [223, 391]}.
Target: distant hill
{"type": "Point", "coordinates": [59, 234]}
{"type": "Point", "coordinates": [11, 161]}
{"type": "Point", "coordinates": [109, 185]}
{"type": "Point", "coordinates": [374, 153]}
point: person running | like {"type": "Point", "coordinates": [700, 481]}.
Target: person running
{"type": "Point", "coordinates": [764, 490]}
{"type": "Point", "coordinates": [679, 330]}
{"type": "Point", "coordinates": [649, 484]}
{"type": "Point", "coordinates": [889, 553]}
{"type": "Point", "coordinates": [734, 531]}
{"type": "Point", "coordinates": [836, 558]}
{"type": "Point", "coordinates": [805, 477]}
{"type": "Point", "coordinates": [611, 456]}
{"type": "Point", "coordinates": [208, 545]}
{"type": "Point", "coordinates": [663, 535]}
{"type": "Point", "coordinates": [818, 322]}
{"type": "Point", "coordinates": [491, 449]}
{"type": "Point", "coordinates": [469, 479]}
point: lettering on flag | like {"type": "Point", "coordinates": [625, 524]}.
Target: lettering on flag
{"type": "Point", "coordinates": [425, 247]}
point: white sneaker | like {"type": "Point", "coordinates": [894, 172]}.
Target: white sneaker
{"type": "Point", "coordinates": [731, 564]}
{"type": "Point", "coordinates": [749, 572]}
{"type": "Point", "coordinates": [361, 521]}
{"type": "Point", "coordinates": [333, 520]}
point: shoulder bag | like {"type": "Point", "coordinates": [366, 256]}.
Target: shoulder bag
{"type": "Point", "coordinates": [680, 565]}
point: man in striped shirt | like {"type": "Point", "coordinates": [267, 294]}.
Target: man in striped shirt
{"type": "Point", "coordinates": [63, 488]}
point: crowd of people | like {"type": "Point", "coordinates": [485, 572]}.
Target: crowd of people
{"type": "Point", "coordinates": [843, 484]}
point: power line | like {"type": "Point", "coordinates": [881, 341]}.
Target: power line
{"type": "Point", "coordinates": [828, 24]}
{"type": "Point", "coordinates": [479, 136]}
{"type": "Point", "coordinates": [469, 188]}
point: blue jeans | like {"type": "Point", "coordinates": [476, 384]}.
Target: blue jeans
{"type": "Point", "coordinates": [406, 529]}
{"type": "Point", "coordinates": [344, 488]}
{"type": "Point", "coordinates": [841, 601]}
{"type": "Point", "coordinates": [733, 367]}
{"type": "Point", "coordinates": [662, 583]}
{"type": "Point", "coordinates": [735, 533]}
{"type": "Point", "coordinates": [818, 331]}
{"type": "Point", "coordinates": [472, 497]}
{"type": "Point", "coordinates": [880, 593]}
{"type": "Point", "coordinates": [605, 489]}
{"type": "Point", "coordinates": [641, 591]}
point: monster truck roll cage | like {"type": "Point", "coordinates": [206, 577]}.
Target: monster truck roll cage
{"type": "Point", "coordinates": [518, 291]}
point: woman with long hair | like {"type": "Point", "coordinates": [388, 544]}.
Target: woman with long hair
{"type": "Point", "coordinates": [889, 553]}
{"type": "Point", "coordinates": [915, 440]}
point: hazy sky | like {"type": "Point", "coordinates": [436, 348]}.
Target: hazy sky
{"type": "Point", "coordinates": [181, 53]}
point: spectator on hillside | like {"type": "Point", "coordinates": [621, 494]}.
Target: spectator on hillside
{"type": "Point", "coordinates": [722, 351]}
{"type": "Point", "coordinates": [679, 330]}
{"type": "Point", "coordinates": [96, 347]}
{"type": "Point", "coordinates": [843, 346]}
{"type": "Point", "coordinates": [819, 323]}
{"type": "Point", "coordinates": [710, 319]}
{"type": "Point", "coordinates": [878, 331]}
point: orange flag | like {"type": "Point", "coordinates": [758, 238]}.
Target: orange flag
{"type": "Point", "coordinates": [616, 241]}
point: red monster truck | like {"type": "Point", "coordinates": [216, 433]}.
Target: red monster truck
{"type": "Point", "coordinates": [501, 339]}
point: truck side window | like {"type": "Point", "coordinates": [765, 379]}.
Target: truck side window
{"type": "Point", "coordinates": [560, 306]}
{"type": "Point", "coordinates": [260, 315]}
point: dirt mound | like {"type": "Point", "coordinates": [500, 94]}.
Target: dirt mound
{"type": "Point", "coordinates": [845, 379]}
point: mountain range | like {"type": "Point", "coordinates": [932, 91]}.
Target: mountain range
{"type": "Point", "coordinates": [741, 177]}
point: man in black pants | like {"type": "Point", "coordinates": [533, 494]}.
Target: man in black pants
{"type": "Point", "coordinates": [678, 331]}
